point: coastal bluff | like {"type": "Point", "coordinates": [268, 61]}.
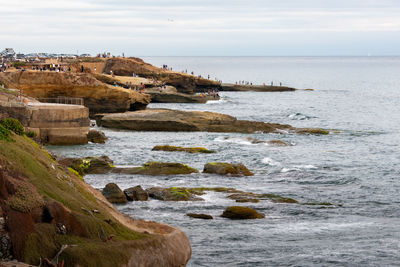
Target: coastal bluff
{"type": "Point", "coordinates": [97, 96]}
{"type": "Point", "coordinates": [177, 120]}
{"type": "Point", "coordinates": [47, 209]}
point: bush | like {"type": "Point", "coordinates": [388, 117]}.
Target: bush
{"type": "Point", "coordinates": [18, 64]}
{"type": "Point", "coordinates": [13, 125]}
{"type": "Point", "coordinates": [30, 134]}
{"type": "Point", "coordinates": [4, 134]}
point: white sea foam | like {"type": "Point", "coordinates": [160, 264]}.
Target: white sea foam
{"type": "Point", "coordinates": [240, 141]}
{"type": "Point", "coordinates": [270, 162]}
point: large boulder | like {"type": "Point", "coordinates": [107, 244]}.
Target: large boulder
{"type": "Point", "coordinates": [241, 213]}
{"type": "Point", "coordinates": [114, 194]}
{"type": "Point", "coordinates": [97, 137]}
{"type": "Point", "coordinates": [172, 194]}
{"type": "Point", "coordinates": [158, 168]}
{"type": "Point", "coordinates": [224, 168]}
{"type": "Point", "coordinates": [136, 193]}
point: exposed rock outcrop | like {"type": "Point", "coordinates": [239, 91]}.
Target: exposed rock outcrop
{"type": "Point", "coordinates": [224, 168]}
{"type": "Point", "coordinates": [97, 137]}
{"type": "Point", "coordinates": [172, 194]}
{"type": "Point", "coordinates": [114, 194]}
{"type": "Point", "coordinates": [241, 213]}
{"type": "Point", "coordinates": [89, 165]}
{"type": "Point", "coordinates": [200, 216]}
{"type": "Point", "coordinates": [176, 120]}
{"type": "Point", "coordinates": [163, 97]}
{"type": "Point", "coordinates": [98, 96]}
{"type": "Point", "coordinates": [158, 168]}
{"type": "Point", "coordinates": [184, 83]}
{"type": "Point", "coordinates": [182, 149]}
{"type": "Point", "coordinates": [136, 193]}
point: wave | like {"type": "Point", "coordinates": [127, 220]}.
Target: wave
{"type": "Point", "coordinates": [299, 116]}
{"type": "Point", "coordinates": [299, 168]}
{"type": "Point", "coordinates": [270, 162]}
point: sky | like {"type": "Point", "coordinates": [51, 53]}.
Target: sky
{"type": "Point", "coordinates": [203, 27]}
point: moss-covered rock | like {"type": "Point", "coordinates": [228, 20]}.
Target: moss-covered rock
{"type": "Point", "coordinates": [241, 213]}
{"type": "Point", "coordinates": [89, 165]}
{"type": "Point", "coordinates": [169, 148]}
{"type": "Point", "coordinates": [158, 168]}
{"type": "Point", "coordinates": [97, 137]}
{"type": "Point", "coordinates": [200, 216]}
{"type": "Point", "coordinates": [114, 194]}
{"type": "Point", "coordinates": [315, 131]}
{"type": "Point", "coordinates": [172, 194]}
{"type": "Point", "coordinates": [223, 168]}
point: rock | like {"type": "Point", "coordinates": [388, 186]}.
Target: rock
{"type": "Point", "coordinates": [252, 197]}
{"type": "Point", "coordinates": [61, 229]}
{"type": "Point", "coordinates": [200, 216]}
{"type": "Point", "coordinates": [172, 194]}
{"type": "Point", "coordinates": [256, 88]}
{"type": "Point", "coordinates": [161, 97]}
{"type": "Point", "coordinates": [182, 149]}
{"type": "Point", "coordinates": [136, 193]}
{"type": "Point", "coordinates": [316, 131]}
{"type": "Point", "coordinates": [89, 165]}
{"type": "Point", "coordinates": [158, 168]}
{"type": "Point", "coordinates": [241, 213]}
{"type": "Point", "coordinates": [177, 120]}
{"type": "Point", "coordinates": [278, 143]}
{"type": "Point", "coordinates": [97, 96]}
{"type": "Point", "coordinates": [5, 246]}
{"type": "Point", "coordinates": [184, 83]}
{"type": "Point", "coordinates": [97, 137]}
{"type": "Point", "coordinates": [224, 168]}
{"type": "Point", "coordinates": [114, 194]}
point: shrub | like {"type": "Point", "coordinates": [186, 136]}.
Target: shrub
{"type": "Point", "coordinates": [13, 125]}
{"type": "Point", "coordinates": [30, 134]}
{"type": "Point", "coordinates": [4, 134]}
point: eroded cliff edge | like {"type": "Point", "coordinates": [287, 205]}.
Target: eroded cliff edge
{"type": "Point", "coordinates": [46, 206]}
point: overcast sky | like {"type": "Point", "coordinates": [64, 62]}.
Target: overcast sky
{"type": "Point", "coordinates": [202, 27]}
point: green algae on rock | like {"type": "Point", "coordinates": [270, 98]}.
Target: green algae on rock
{"type": "Point", "coordinates": [158, 168]}
{"type": "Point", "coordinates": [172, 194]}
{"type": "Point", "coordinates": [315, 131]}
{"type": "Point", "coordinates": [241, 213]}
{"type": "Point", "coordinates": [89, 165]}
{"type": "Point", "coordinates": [169, 148]}
{"type": "Point", "coordinates": [224, 168]}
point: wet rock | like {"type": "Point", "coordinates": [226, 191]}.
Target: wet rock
{"type": "Point", "coordinates": [97, 137]}
{"type": "Point", "coordinates": [245, 200]}
{"type": "Point", "coordinates": [315, 131]}
{"type": "Point", "coordinates": [224, 168]}
{"type": "Point", "coordinates": [182, 149]}
{"type": "Point", "coordinates": [241, 213]}
{"type": "Point", "coordinates": [114, 194]}
{"type": "Point", "coordinates": [158, 168]}
{"type": "Point", "coordinates": [278, 143]}
{"type": "Point", "coordinates": [253, 197]}
{"type": "Point", "coordinates": [89, 165]}
{"type": "Point", "coordinates": [136, 193]}
{"type": "Point", "coordinates": [200, 216]}
{"type": "Point", "coordinates": [172, 194]}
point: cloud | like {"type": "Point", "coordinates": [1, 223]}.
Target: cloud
{"type": "Point", "coordinates": [94, 25]}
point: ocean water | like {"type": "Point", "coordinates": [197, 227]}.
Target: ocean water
{"type": "Point", "coordinates": [356, 168]}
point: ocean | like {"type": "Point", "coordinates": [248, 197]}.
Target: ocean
{"type": "Point", "coordinates": [355, 168]}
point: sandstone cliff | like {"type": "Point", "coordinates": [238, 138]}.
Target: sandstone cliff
{"type": "Point", "coordinates": [184, 83]}
{"type": "Point", "coordinates": [98, 96]}
{"type": "Point", "coordinates": [45, 207]}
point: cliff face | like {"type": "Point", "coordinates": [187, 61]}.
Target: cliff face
{"type": "Point", "coordinates": [184, 83]}
{"type": "Point", "coordinates": [98, 96]}
{"type": "Point", "coordinates": [45, 207]}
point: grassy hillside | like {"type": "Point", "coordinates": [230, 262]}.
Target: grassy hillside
{"type": "Point", "coordinates": [38, 197]}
